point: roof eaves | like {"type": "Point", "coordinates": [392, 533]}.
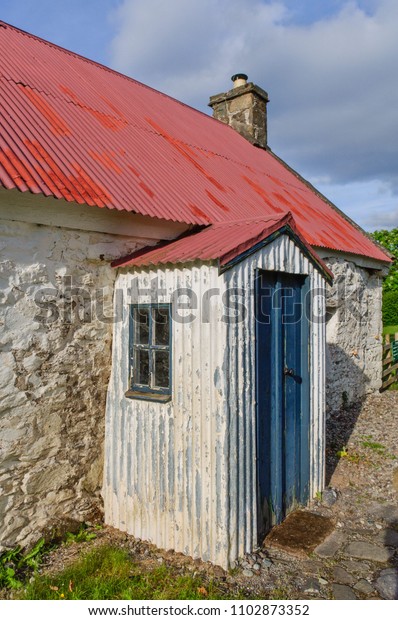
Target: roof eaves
{"type": "Point", "coordinates": [344, 254]}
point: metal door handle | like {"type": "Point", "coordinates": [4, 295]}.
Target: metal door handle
{"type": "Point", "coordinates": [288, 371]}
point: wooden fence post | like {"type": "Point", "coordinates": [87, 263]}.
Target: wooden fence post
{"type": "Point", "coordinates": [390, 361]}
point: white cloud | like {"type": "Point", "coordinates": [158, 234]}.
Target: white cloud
{"type": "Point", "coordinates": [332, 83]}
{"type": "Point", "coordinates": [371, 204]}
{"type": "Point", "coordinates": [189, 49]}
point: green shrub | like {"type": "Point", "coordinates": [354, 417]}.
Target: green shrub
{"type": "Point", "coordinates": [390, 308]}
{"type": "Point", "coordinates": [389, 240]}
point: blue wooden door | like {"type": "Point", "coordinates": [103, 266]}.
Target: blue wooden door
{"type": "Point", "coordinates": [282, 390]}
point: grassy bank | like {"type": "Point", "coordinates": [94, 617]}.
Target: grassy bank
{"type": "Point", "coordinates": [390, 329]}
{"type": "Point", "coordinates": [108, 572]}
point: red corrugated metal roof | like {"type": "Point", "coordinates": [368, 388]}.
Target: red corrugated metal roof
{"type": "Point", "coordinates": [223, 241]}
{"type": "Point", "coordinates": [73, 129]}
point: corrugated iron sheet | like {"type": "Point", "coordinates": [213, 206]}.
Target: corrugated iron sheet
{"type": "Point", "coordinates": [164, 463]}
{"type": "Point", "coordinates": [73, 129]}
{"type": "Point", "coordinates": [183, 474]}
{"type": "Point", "coordinates": [223, 241]}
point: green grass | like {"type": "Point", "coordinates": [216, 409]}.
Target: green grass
{"type": "Point", "coordinates": [390, 329]}
{"type": "Point", "coordinates": [369, 443]}
{"type": "Point", "coordinates": [374, 445]}
{"type": "Point", "coordinates": [108, 572]}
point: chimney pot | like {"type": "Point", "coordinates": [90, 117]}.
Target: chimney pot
{"type": "Point", "coordinates": [239, 79]}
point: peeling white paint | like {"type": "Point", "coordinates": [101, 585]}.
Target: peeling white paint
{"type": "Point", "coordinates": [53, 374]}
{"type": "Point", "coordinates": [353, 333]}
{"type": "Point", "coordinates": [183, 474]}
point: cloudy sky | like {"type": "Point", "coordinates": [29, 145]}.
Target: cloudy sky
{"type": "Point", "coordinates": [330, 68]}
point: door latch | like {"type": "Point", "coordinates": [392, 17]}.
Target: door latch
{"type": "Point", "coordinates": [288, 371]}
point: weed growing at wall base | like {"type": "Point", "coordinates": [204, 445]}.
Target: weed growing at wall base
{"type": "Point", "coordinates": [104, 572]}
{"type": "Point", "coordinates": [15, 565]}
{"type": "Point", "coordinates": [83, 535]}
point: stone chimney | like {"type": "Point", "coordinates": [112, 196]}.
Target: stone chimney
{"type": "Point", "coordinates": [244, 108]}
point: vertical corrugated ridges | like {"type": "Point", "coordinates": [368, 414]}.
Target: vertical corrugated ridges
{"type": "Point", "coordinates": [183, 474]}
{"type": "Point", "coordinates": [165, 460]}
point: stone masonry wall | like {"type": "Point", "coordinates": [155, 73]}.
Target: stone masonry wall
{"type": "Point", "coordinates": [54, 370]}
{"type": "Point", "coordinates": [353, 333]}
{"type": "Point", "coordinates": [245, 109]}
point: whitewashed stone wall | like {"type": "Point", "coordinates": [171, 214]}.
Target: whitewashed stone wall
{"type": "Point", "coordinates": [53, 375]}
{"type": "Point", "coordinates": [353, 333]}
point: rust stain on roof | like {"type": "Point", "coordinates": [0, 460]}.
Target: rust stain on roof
{"type": "Point", "coordinates": [141, 183]}
{"type": "Point", "coordinates": [114, 109]}
{"type": "Point", "coordinates": [93, 190]}
{"type": "Point", "coordinates": [12, 166]}
{"type": "Point", "coordinates": [216, 201]}
{"type": "Point", "coordinates": [133, 170]}
{"type": "Point", "coordinates": [105, 159]}
{"type": "Point", "coordinates": [282, 198]}
{"type": "Point", "coordinates": [67, 91]}
{"type": "Point", "coordinates": [52, 174]}
{"type": "Point", "coordinates": [275, 180]}
{"type": "Point", "coordinates": [146, 189]}
{"type": "Point", "coordinates": [106, 120]}
{"type": "Point", "coordinates": [57, 124]}
{"type": "Point", "coordinates": [262, 193]}
{"type": "Point", "coordinates": [186, 152]}
{"type": "Point", "coordinates": [76, 184]}
{"type": "Point", "coordinates": [196, 211]}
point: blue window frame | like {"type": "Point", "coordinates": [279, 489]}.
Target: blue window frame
{"type": "Point", "coordinates": [150, 351]}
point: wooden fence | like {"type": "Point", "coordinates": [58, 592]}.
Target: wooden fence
{"type": "Point", "coordinates": [390, 360]}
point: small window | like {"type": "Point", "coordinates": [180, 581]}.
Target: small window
{"type": "Point", "coordinates": [150, 352]}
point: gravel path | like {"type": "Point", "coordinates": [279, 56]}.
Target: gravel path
{"type": "Point", "coordinates": [359, 560]}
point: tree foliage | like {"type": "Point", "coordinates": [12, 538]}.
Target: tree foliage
{"type": "Point", "coordinates": [389, 240]}
{"type": "Point", "coordinates": [390, 308]}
